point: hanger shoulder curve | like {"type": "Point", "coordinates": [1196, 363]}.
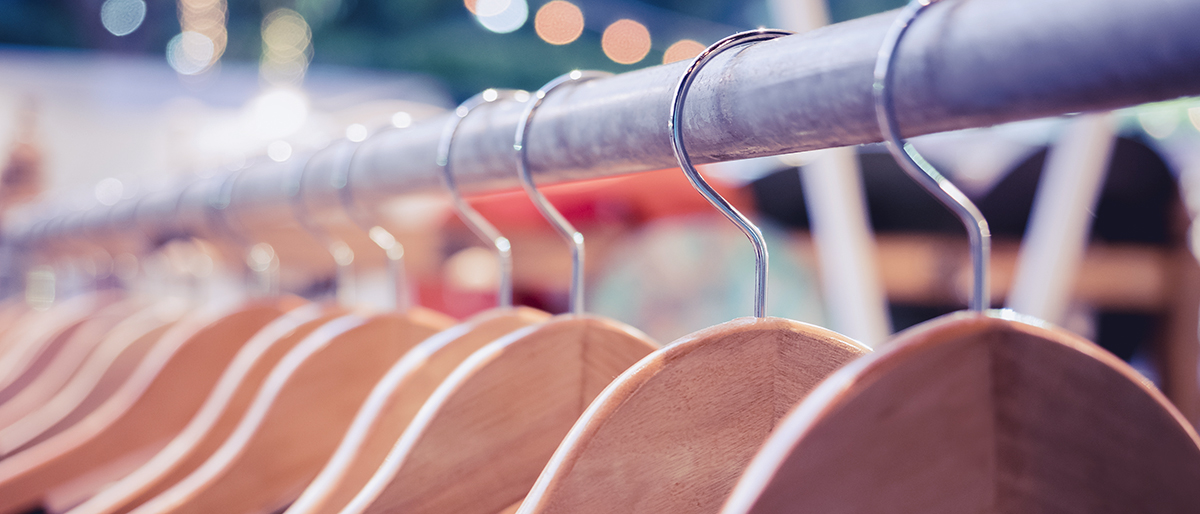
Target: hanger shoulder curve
{"type": "Point", "coordinates": [672, 432]}
{"type": "Point", "coordinates": [298, 416]}
{"type": "Point", "coordinates": [215, 420]}
{"type": "Point", "coordinates": [87, 336]}
{"type": "Point", "coordinates": [154, 404]}
{"type": "Point", "coordinates": [40, 338]}
{"type": "Point", "coordinates": [101, 374]}
{"type": "Point", "coordinates": [396, 399]}
{"type": "Point", "coordinates": [971, 413]}
{"type": "Point", "coordinates": [479, 442]}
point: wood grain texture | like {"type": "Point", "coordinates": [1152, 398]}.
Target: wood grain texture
{"type": "Point", "coordinates": [479, 442]}
{"type": "Point", "coordinates": [87, 336]}
{"type": "Point", "coordinates": [973, 413]}
{"type": "Point", "coordinates": [394, 402]}
{"type": "Point", "coordinates": [162, 395]}
{"type": "Point", "coordinates": [298, 416]}
{"type": "Point", "coordinates": [217, 418]}
{"type": "Point", "coordinates": [673, 433]}
{"type": "Point", "coordinates": [100, 375]}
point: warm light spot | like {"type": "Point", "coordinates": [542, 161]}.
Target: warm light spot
{"type": "Point", "coordinates": [279, 151]}
{"type": "Point", "coordinates": [470, 4]}
{"type": "Point", "coordinates": [1194, 116]}
{"type": "Point", "coordinates": [190, 53]}
{"type": "Point", "coordinates": [473, 269]}
{"type": "Point", "coordinates": [559, 22]}
{"type": "Point", "coordinates": [356, 132]}
{"type": "Point", "coordinates": [682, 49]}
{"type": "Point", "coordinates": [287, 47]}
{"type": "Point", "coordinates": [501, 16]}
{"type": "Point", "coordinates": [626, 41]}
{"type": "Point", "coordinates": [122, 17]}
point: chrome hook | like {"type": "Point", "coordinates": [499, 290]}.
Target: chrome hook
{"type": "Point", "coordinates": [675, 126]}
{"type": "Point", "coordinates": [393, 250]}
{"type": "Point", "coordinates": [560, 223]}
{"type": "Point", "coordinates": [260, 258]}
{"type": "Point", "coordinates": [343, 255]}
{"type": "Point", "coordinates": [469, 216]}
{"type": "Point", "coordinates": [919, 169]}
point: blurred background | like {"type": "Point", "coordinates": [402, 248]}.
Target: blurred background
{"type": "Point", "coordinates": [102, 100]}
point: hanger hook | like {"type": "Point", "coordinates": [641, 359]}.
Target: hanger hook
{"type": "Point", "coordinates": [675, 126]}
{"type": "Point", "coordinates": [342, 255]}
{"type": "Point", "coordinates": [393, 250]}
{"type": "Point", "coordinates": [918, 168]}
{"type": "Point", "coordinates": [564, 227]}
{"type": "Point", "coordinates": [471, 217]}
{"type": "Point", "coordinates": [260, 258]}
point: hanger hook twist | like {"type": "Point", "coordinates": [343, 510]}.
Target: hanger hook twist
{"type": "Point", "coordinates": [675, 126]}
{"type": "Point", "coordinates": [921, 170]}
{"type": "Point", "coordinates": [564, 227]}
{"type": "Point", "coordinates": [469, 216]}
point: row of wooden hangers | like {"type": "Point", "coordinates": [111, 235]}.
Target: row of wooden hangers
{"type": "Point", "coordinates": [112, 404]}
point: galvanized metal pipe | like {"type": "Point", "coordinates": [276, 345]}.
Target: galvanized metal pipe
{"type": "Point", "coordinates": [964, 64]}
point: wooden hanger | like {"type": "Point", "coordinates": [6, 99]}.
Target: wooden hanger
{"type": "Point", "coordinates": [672, 433]}
{"type": "Point", "coordinates": [215, 421]}
{"type": "Point", "coordinates": [978, 412]}
{"type": "Point", "coordinates": [222, 411]}
{"type": "Point", "coordinates": [479, 442]}
{"type": "Point", "coordinates": [59, 368]}
{"type": "Point", "coordinates": [101, 374]}
{"type": "Point", "coordinates": [305, 406]}
{"type": "Point", "coordinates": [299, 415]}
{"type": "Point", "coordinates": [154, 404]}
{"type": "Point", "coordinates": [396, 399]}
{"type": "Point", "coordinates": [37, 340]}
{"type": "Point", "coordinates": [983, 411]}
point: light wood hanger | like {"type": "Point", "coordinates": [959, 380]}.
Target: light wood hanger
{"type": "Point", "coordinates": [396, 399]}
{"type": "Point", "coordinates": [226, 405]}
{"type": "Point", "coordinates": [983, 411]}
{"type": "Point", "coordinates": [216, 420]}
{"type": "Point", "coordinates": [972, 412]}
{"type": "Point", "coordinates": [479, 442]}
{"type": "Point", "coordinates": [37, 340]}
{"type": "Point", "coordinates": [672, 433]}
{"type": "Point", "coordinates": [299, 415]}
{"type": "Point", "coordinates": [58, 370]}
{"type": "Point", "coordinates": [106, 368]}
{"type": "Point", "coordinates": [305, 406]}
{"type": "Point", "coordinates": [154, 404]}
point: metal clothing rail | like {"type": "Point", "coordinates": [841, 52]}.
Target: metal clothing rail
{"type": "Point", "coordinates": [968, 63]}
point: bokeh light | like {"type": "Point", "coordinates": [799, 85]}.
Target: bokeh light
{"type": "Point", "coordinates": [626, 41]}
{"type": "Point", "coordinates": [501, 16]}
{"type": "Point", "coordinates": [401, 119]}
{"type": "Point", "coordinates": [279, 151]}
{"type": "Point", "coordinates": [558, 22]}
{"type": "Point", "coordinates": [356, 132]}
{"type": "Point", "coordinates": [1160, 123]}
{"type": "Point", "coordinates": [207, 18]}
{"type": "Point", "coordinates": [682, 49]}
{"type": "Point", "coordinates": [190, 53]}
{"type": "Point", "coordinates": [286, 40]}
{"type": "Point", "coordinates": [121, 17]}
{"type": "Point", "coordinates": [277, 114]}
{"type": "Point", "coordinates": [109, 191]}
